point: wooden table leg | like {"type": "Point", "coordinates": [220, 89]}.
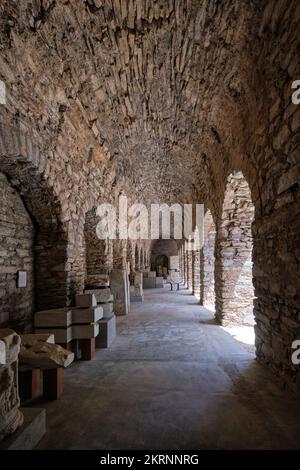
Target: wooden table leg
{"type": "Point", "coordinates": [53, 383]}
{"type": "Point", "coordinates": [29, 383]}
{"type": "Point", "coordinates": [88, 349]}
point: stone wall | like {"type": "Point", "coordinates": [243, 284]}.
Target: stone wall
{"type": "Point", "coordinates": [233, 264]}
{"type": "Point", "coordinates": [207, 262]}
{"type": "Point", "coordinates": [17, 234]}
{"type": "Point", "coordinates": [163, 99]}
{"type": "Point", "coordinates": [98, 252]}
{"type": "Point", "coordinates": [196, 268]}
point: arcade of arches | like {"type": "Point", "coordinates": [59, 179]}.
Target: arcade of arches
{"type": "Point", "coordinates": [167, 102]}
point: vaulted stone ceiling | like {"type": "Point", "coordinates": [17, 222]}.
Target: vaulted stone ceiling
{"type": "Point", "coordinates": [159, 83]}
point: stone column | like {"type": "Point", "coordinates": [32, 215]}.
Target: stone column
{"type": "Point", "coordinates": [233, 264]}
{"type": "Point", "coordinates": [185, 265]}
{"type": "Point", "coordinates": [119, 288]}
{"type": "Point", "coordinates": [10, 416]}
{"type": "Point", "coordinates": [138, 283]}
{"type": "Point", "coordinates": [180, 263]}
{"type": "Point", "coordinates": [207, 263]}
{"type": "Point", "coordinates": [119, 254]}
{"type": "Point", "coordinates": [196, 274]}
{"type": "Point", "coordinates": [189, 268]}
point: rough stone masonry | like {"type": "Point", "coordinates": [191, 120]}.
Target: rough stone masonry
{"type": "Point", "coordinates": [165, 101]}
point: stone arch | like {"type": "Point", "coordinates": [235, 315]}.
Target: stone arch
{"type": "Point", "coordinates": [233, 266]}
{"type": "Point", "coordinates": [17, 239]}
{"type": "Point", "coordinates": [23, 165]}
{"type": "Point", "coordinates": [207, 262]}
{"type": "Point", "coordinates": [162, 247]}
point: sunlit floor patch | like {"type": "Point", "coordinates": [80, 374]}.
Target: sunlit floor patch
{"type": "Point", "coordinates": [244, 334]}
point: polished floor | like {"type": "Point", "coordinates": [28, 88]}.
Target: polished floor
{"type": "Point", "coordinates": [172, 380]}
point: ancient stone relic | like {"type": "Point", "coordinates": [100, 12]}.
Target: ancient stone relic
{"type": "Point", "coordinates": [37, 352]}
{"type": "Point", "coordinates": [10, 416]}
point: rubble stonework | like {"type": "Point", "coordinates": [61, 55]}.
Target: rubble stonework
{"type": "Point", "coordinates": [164, 101]}
{"type": "Point", "coordinates": [17, 234]}
{"type": "Point", "coordinates": [233, 263]}
{"type": "Point", "coordinates": [207, 262]}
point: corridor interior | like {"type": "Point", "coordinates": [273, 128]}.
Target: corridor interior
{"type": "Point", "coordinates": [109, 108]}
{"type": "Point", "coordinates": [172, 379]}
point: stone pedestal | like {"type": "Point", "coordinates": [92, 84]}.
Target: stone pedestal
{"type": "Point", "coordinates": [138, 283]}
{"type": "Point", "coordinates": [30, 433]}
{"type": "Point", "coordinates": [149, 283]}
{"type": "Point", "coordinates": [10, 416]}
{"type": "Point", "coordinates": [73, 323]}
{"type": "Point", "coordinates": [107, 332]}
{"type": "Point", "coordinates": [119, 288]}
{"type": "Point", "coordinates": [108, 309]}
{"type": "Point", "coordinates": [136, 291]}
{"type": "Point", "coordinates": [136, 298]}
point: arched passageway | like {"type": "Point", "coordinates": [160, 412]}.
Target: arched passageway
{"type": "Point", "coordinates": [161, 251]}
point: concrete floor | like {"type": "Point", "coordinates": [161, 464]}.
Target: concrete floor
{"type": "Point", "coordinates": [172, 380]}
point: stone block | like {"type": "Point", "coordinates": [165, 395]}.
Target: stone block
{"type": "Point", "coordinates": [30, 433]}
{"type": "Point", "coordinates": [102, 295]}
{"type": "Point", "coordinates": [85, 331]}
{"type": "Point", "coordinates": [97, 280]}
{"type": "Point", "coordinates": [61, 335]}
{"type": "Point", "coordinates": [159, 282]}
{"type": "Point", "coordinates": [107, 332]}
{"type": "Point", "coordinates": [85, 300]}
{"type": "Point", "coordinates": [86, 315]}
{"type": "Point", "coordinates": [107, 309]}
{"type": "Point", "coordinates": [37, 353]}
{"type": "Point", "coordinates": [152, 274]}
{"type": "Point", "coordinates": [120, 291]}
{"type": "Point", "coordinates": [57, 317]}
{"type": "Point", "coordinates": [30, 339]}
{"type": "Point", "coordinates": [136, 298]}
{"type": "Point", "coordinates": [149, 283]}
{"type": "Point", "coordinates": [10, 416]}
{"type": "Point", "coordinates": [138, 279]}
